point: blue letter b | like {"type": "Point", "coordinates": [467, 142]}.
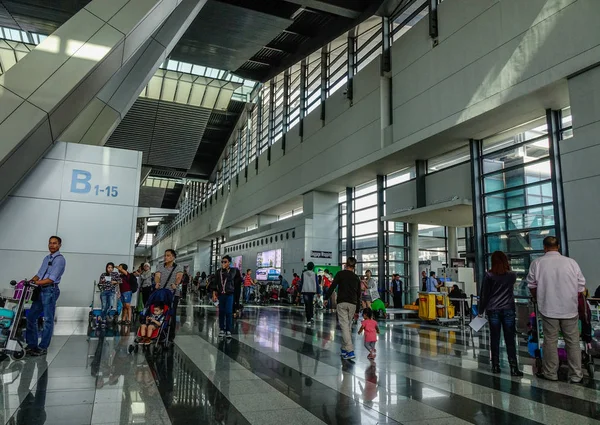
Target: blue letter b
{"type": "Point", "coordinates": [80, 181]}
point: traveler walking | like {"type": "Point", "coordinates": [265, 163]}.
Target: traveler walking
{"type": "Point", "coordinates": [227, 278]}
{"type": "Point", "coordinates": [309, 286]}
{"type": "Point", "coordinates": [126, 293]}
{"type": "Point", "coordinates": [44, 298]}
{"type": "Point", "coordinates": [145, 282]}
{"type": "Point", "coordinates": [248, 285]}
{"type": "Point", "coordinates": [556, 282]}
{"type": "Point", "coordinates": [348, 303]}
{"type": "Point", "coordinates": [168, 275]}
{"type": "Point", "coordinates": [498, 301]}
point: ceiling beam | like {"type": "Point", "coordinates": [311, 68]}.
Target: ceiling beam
{"type": "Point", "coordinates": [323, 6]}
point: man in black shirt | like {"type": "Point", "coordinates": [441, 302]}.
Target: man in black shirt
{"type": "Point", "coordinates": [348, 303]}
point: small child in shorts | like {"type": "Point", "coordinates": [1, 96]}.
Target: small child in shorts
{"type": "Point", "coordinates": [153, 321]}
{"type": "Point", "coordinates": [371, 329]}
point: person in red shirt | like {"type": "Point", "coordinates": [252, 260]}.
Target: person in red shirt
{"type": "Point", "coordinates": [248, 285]}
{"type": "Point", "coordinates": [371, 330]}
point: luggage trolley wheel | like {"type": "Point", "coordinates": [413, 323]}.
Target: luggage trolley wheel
{"type": "Point", "coordinates": [18, 355]}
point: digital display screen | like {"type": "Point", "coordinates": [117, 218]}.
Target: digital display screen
{"type": "Point", "coordinates": [237, 262]}
{"type": "Point", "coordinates": [268, 265]}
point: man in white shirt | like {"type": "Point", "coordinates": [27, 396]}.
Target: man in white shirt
{"type": "Point", "coordinates": [556, 281]}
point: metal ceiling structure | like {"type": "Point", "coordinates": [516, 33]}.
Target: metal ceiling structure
{"type": "Point", "coordinates": [183, 129]}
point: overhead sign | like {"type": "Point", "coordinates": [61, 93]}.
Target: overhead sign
{"type": "Point", "coordinates": [321, 254]}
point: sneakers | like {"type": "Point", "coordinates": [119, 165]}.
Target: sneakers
{"type": "Point", "coordinates": [349, 355]}
{"type": "Point", "coordinates": [221, 334]}
{"type": "Point", "coordinates": [371, 355]}
{"type": "Point", "coordinates": [39, 352]}
{"type": "Point", "coordinates": [228, 334]}
{"type": "Point", "coordinates": [343, 353]}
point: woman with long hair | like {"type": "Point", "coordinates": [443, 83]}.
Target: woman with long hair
{"type": "Point", "coordinates": [498, 301]}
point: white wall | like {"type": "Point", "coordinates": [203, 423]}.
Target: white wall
{"type": "Point", "coordinates": [95, 229]}
{"type": "Point", "coordinates": [581, 175]}
{"type": "Point", "coordinates": [449, 183]}
{"type": "Point", "coordinates": [293, 247]}
{"type": "Point", "coordinates": [493, 57]}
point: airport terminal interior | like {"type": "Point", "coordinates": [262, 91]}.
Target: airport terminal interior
{"type": "Point", "coordinates": [267, 137]}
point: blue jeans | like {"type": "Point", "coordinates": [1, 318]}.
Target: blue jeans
{"type": "Point", "coordinates": [505, 320]}
{"type": "Point", "coordinates": [46, 304]}
{"type": "Point", "coordinates": [247, 292]}
{"type": "Point", "coordinates": [226, 312]}
{"type": "Point", "coordinates": [106, 298]}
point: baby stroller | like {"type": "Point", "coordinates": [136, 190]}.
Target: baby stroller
{"type": "Point", "coordinates": [160, 336]}
{"type": "Point", "coordinates": [536, 339]}
{"type": "Point", "coordinates": [10, 318]}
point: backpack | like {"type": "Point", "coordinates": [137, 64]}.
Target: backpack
{"type": "Point", "coordinates": [133, 283]}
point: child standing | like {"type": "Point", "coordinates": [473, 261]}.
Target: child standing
{"type": "Point", "coordinates": [371, 329]}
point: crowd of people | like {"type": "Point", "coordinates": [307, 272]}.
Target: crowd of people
{"type": "Point", "coordinates": [555, 281]}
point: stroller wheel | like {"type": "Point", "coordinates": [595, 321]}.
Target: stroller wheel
{"type": "Point", "coordinates": [131, 348]}
{"type": "Point", "coordinates": [18, 355]}
{"type": "Point", "coordinates": [591, 369]}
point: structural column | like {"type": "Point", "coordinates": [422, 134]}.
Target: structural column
{"type": "Point", "coordinates": [452, 243]}
{"type": "Point", "coordinates": [413, 255]}
{"type": "Point", "coordinates": [578, 157]}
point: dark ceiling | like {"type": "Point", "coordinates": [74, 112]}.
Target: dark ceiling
{"type": "Point", "coordinates": [254, 39]}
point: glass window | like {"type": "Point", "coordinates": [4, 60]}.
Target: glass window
{"type": "Point", "coordinates": [449, 159]}
{"type": "Point", "coordinates": [365, 215]}
{"type": "Point", "coordinates": [511, 157]}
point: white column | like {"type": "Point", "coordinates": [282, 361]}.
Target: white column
{"type": "Point", "coordinates": [413, 255]}
{"type": "Point", "coordinates": [452, 243]}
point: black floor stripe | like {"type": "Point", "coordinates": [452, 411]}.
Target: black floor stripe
{"type": "Point", "coordinates": [548, 397]}
{"type": "Point", "coordinates": [450, 403]}
{"type": "Point", "coordinates": [188, 394]}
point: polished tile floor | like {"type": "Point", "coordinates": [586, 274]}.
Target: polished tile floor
{"type": "Point", "coordinates": [277, 371]}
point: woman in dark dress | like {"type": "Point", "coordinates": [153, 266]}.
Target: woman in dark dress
{"type": "Point", "coordinates": [498, 301]}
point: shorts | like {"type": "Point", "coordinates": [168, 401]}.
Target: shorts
{"type": "Point", "coordinates": [126, 297]}
{"type": "Point", "coordinates": [378, 305]}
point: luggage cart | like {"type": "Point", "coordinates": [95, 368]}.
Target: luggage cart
{"type": "Point", "coordinates": [587, 361]}
{"type": "Point", "coordinates": [10, 319]}
{"type": "Point", "coordinates": [96, 307]}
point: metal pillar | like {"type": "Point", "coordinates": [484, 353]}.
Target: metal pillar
{"type": "Point", "coordinates": [478, 230]}
{"type": "Point", "coordinates": [303, 97]}
{"type": "Point", "coordinates": [421, 172]}
{"type": "Point", "coordinates": [351, 64]}
{"type": "Point", "coordinates": [286, 107]}
{"type": "Point", "coordinates": [413, 258]}
{"type": "Point", "coordinates": [383, 278]}
{"type": "Point", "coordinates": [433, 19]}
{"type": "Point", "coordinates": [386, 81]}
{"type": "Point", "coordinates": [554, 121]}
{"type": "Point", "coordinates": [271, 123]}
{"type": "Point", "coordinates": [349, 232]}
{"type": "Point", "coordinates": [324, 72]}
